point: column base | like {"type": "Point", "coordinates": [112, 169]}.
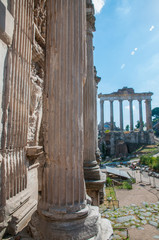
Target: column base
{"type": "Point", "coordinates": [92, 170]}
{"type": "Point", "coordinates": [83, 227]}
{"type": "Point", "coordinates": [95, 189]}
{"type": "Point", "coordinates": [106, 230]}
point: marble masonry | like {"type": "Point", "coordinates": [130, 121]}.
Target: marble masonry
{"type": "Point", "coordinates": [50, 180]}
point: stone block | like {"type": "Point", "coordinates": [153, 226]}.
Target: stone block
{"type": "Point", "coordinates": [21, 217]}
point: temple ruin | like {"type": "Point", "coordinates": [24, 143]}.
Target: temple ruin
{"type": "Point", "coordinates": [133, 138]}
{"type": "Point", "coordinates": [50, 180]}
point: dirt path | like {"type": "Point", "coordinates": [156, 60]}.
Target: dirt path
{"type": "Point", "coordinates": [136, 196]}
{"type": "Point", "coordinates": [147, 233]}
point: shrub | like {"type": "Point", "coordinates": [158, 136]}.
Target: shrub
{"type": "Point", "coordinates": [127, 185]}
{"type": "Point", "coordinates": [109, 181]}
{"type": "Point", "coordinates": [152, 162]}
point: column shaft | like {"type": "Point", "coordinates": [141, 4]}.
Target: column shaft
{"type": "Point", "coordinates": [121, 114]}
{"type": "Point", "coordinates": [102, 114]}
{"type": "Point", "coordinates": [140, 115]}
{"type": "Point", "coordinates": [148, 114]}
{"type": "Point", "coordinates": [111, 116]}
{"type": "Point", "coordinates": [131, 116]}
{"type": "Point", "coordinates": [89, 100]}
{"type": "Point", "coordinates": [62, 211]}
{"type": "Point", "coordinates": [63, 182]}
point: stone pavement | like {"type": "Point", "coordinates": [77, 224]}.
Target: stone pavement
{"type": "Point", "coordinates": [133, 216]}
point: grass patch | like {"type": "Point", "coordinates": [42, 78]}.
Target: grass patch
{"type": "Point", "coordinates": [125, 185]}
{"type": "Point", "coordinates": [110, 192]}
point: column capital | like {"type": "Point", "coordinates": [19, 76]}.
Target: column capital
{"type": "Point", "coordinates": [90, 17]}
{"type": "Point", "coordinates": [148, 100]}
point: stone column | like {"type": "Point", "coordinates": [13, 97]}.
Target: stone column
{"type": "Point", "coordinates": [140, 115]}
{"type": "Point", "coordinates": [63, 212]}
{"type": "Point", "coordinates": [97, 80]}
{"type": "Point", "coordinates": [131, 115]}
{"type": "Point", "coordinates": [102, 114]}
{"type": "Point", "coordinates": [92, 171]}
{"type": "Point", "coordinates": [111, 116]}
{"type": "Point", "coordinates": [148, 114]}
{"type": "Point", "coordinates": [121, 114]}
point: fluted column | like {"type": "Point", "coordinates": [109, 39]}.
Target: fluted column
{"type": "Point", "coordinates": [121, 114]}
{"type": "Point", "coordinates": [111, 116]}
{"type": "Point", "coordinates": [97, 80]}
{"type": "Point", "coordinates": [89, 94]}
{"type": "Point", "coordinates": [63, 208]}
{"type": "Point", "coordinates": [102, 115]}
{"type": "Point", "coordinates": [92, 171]}
{"type": "Point", "coordinates": [131, 115]}
{"type": "Point", "coordinates": [140, 115]}
{"type": "Point", "coordinates": [148, 114]}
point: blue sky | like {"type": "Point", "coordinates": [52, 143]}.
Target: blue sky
{"type": "Point", "coordinates": [127, 50]}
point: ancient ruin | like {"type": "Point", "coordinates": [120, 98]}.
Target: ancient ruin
{"type": "Point", "coordinates": [48, 128]}
{"type": "Point", "coordinates": [114, 139]}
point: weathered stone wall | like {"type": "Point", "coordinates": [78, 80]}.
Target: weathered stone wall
{"type": "Point", "coordinates": [17, 173]}
{"type": "Point", "coordinates": [120, 144]}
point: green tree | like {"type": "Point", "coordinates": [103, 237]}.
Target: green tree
{"type": "Point", "coordinates": [155, 112]}
{"type": "Point", "coordinates": [127, 127]}
{"type": "Point", "coordinates": [138, 124]}
{"type": "Point", "coordinates": [155, 121]}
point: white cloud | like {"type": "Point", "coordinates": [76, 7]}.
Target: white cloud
{"type": "Point", "coordinates": [98, 5]}
{"type": "Point", "coordinates": [151, 28]}
{"type": "Point", "coordinates": [122, 66]}
{"type": "Point", "coordinates": [133, 52]}
{"type": "Point", "coordinates": [123, 10]}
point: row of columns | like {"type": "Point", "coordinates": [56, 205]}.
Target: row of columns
{"type": "Point", "coordinates": [148, 114]}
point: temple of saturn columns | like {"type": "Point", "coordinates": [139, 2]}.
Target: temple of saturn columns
{"type": "Point", "coordinates": [50, 180]}
{"type": "Point", "coordinates": [133, 138]}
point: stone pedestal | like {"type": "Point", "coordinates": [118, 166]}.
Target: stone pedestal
{"type": "Point", "coordinates": [63, 212]}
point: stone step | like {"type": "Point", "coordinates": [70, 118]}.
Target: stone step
{"type": "Point", "coordinates": [21, 217]}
